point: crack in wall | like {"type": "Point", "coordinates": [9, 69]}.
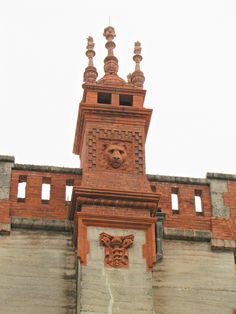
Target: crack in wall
{"type": "Point", "coordinates": [111, 302]}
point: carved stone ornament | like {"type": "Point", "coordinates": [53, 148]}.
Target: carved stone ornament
{"type": "Point", "coordinates": [116, 249]}
{"type": "Point", "coordinates": [115, 154]}
{"type": "Point", "coordinates": [99, 141]}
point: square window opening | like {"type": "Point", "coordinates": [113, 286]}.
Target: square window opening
{"type": "Point", "coordinates": [104, 98]}
{"type": "Point", "coordinates": [126, 100]}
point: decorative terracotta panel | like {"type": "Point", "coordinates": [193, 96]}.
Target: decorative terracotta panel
{"type": "Point", "coordinates": [127, 144]}
{"type": "Point", "coordinates": [116, 249]}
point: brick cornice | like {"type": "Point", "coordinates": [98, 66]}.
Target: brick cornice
{"type": "Point", "coordinates": [102, 197]}
{"type": "Point", "coordinates": [124, 88]}
{"type": "Point", "coordinates": [91, 112]}
{"type": "Point", "coordinates": [51, 169]}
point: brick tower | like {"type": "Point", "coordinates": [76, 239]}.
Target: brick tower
{"type": "Point", "coordinates": [114, 208]}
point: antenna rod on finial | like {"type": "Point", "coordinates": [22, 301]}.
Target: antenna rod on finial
{"type": "Point", "coordinates": [109, 20]}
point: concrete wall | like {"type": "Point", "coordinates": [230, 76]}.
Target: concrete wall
{"type": "Point", "coordinates": [193, 279]}
{"type": "Point", "coordinates": [112, 291]}
{"type": "Point", "coordinates": [6, 163]}
{"type": "Point", "coordinates": [37, 273]}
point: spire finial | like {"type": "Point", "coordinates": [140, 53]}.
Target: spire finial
{"type": "Point", "coordinates": [110, 62]}
{"type": "Point", "coordinates": [137, 77]}
{"type": "Point", "coordinates": [90, 73]}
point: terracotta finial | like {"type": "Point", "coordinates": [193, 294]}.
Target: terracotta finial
{"type": "Point", "coordinates": [137, 77]}
{"type": "Point", "coordinates": [90, 73]}
{"type": "Point", "coordinates": [110, 62]}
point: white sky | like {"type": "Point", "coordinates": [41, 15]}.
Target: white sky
{"type": "Point", "coordinates": [189, 50]}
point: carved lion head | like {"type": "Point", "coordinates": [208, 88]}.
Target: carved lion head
{"type": "Point", "coordinates": [115, 154]}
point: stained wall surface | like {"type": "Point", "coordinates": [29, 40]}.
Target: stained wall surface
{"type": "Point", "coordinates": [37, 271]}
{"type": "Point", "coordinates": [117, 291]}
{"type": "Point", "coordinates": [194, 279]}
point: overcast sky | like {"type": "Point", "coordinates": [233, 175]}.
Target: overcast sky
{"type": "Point", "coordinates": [189, 61]}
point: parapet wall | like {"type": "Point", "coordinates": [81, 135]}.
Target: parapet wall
{"type": "Point", "coordinates": [32, 210]}
{"type": "Point", "coordinates": [216, 221]}
{"type": "Point", "coordinates": [181, 222]}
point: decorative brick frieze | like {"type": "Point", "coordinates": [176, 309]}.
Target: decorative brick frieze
{"type": "Point", "coordinates": [101, 142]}
{"type": "Point", "coordinates": [116, 249]}
{"type": "Point", "coordinates": [127, 119]}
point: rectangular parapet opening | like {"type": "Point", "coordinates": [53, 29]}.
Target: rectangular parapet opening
{"type": "Point", "coordinates": [104, 98]}
{"type": "Point", "coordinates": [175, 200]}
{"type": "Point", "coordinates": [68, 190]}
{"type": "Point", "coordinates": [126, 100]}
{"type": "Point", "coordinates": [46, 190]}
{"type": "Point", "coordinates": [198, 203]}
{"type": "Point", "coordinates": [21, 189]}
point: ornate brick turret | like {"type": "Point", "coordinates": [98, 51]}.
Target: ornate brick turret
{"type": "Point", "coordinates": [114, 202]}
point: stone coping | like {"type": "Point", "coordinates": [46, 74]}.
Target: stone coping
{"type": "Point", "coordinates": [221, 244]}
{"type": "Point", "coordinates": [221, 176]}
{"type": "Point", "coordinates": [6, 158]}
{"type": "Point", "coordinates": [184, 180]}
{"type": "Point", "coordinates": [42, 224]}
{"type": "Point", "coordinates": [51, 169]}
{"type": "Point", "coordinates": [151, 177]}
{"type": "Point", "coordinates": [187, 234]}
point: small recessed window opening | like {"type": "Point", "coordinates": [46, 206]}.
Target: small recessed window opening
{"type": "Point", "coordinates": [46, 190]}
{"type": "Point", "coordinates": [198, 202]}
{"type": "Point", "coordinates": [21, 192]}
{"type": "Point", "coordinates": [104, 98]}
{"type": "Point", "coordinates": [126, 100]}
{"type": "Point", "coordinates": [153, 188]}
{"type": "Point", "coordinates": [175, 200]}
{"type": "Point", "coordinates": [69, 189]}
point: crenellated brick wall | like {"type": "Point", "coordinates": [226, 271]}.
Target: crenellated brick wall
{"type": "Point", "coordinates": [33, 206]}
{"type": "Point", "coordinates": [182, 223]}
{"type": "Point", "coordinates": [218, 196]}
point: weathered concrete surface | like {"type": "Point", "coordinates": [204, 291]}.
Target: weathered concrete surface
{"type": "Point", "coordinates": [37, 273]}
{"type": "Point", "coordinates": [105, 290]}
{"type": "Point", "coordinates": [42, 224]}
{"type": "Point", "coordinates": [6, 163]}
{"type": "Point", "coordinates": [218, 188]}
{"type": "Point", "coordinates": [193, 279]}
{"type": "Point", "coordinates": [187, 234]}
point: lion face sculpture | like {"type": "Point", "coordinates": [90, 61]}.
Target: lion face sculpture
{"type": "Point", "coordinates": [115, 154]}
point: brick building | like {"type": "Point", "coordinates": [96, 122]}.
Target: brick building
{"type": "Point", "coordinates": [126, 242]}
